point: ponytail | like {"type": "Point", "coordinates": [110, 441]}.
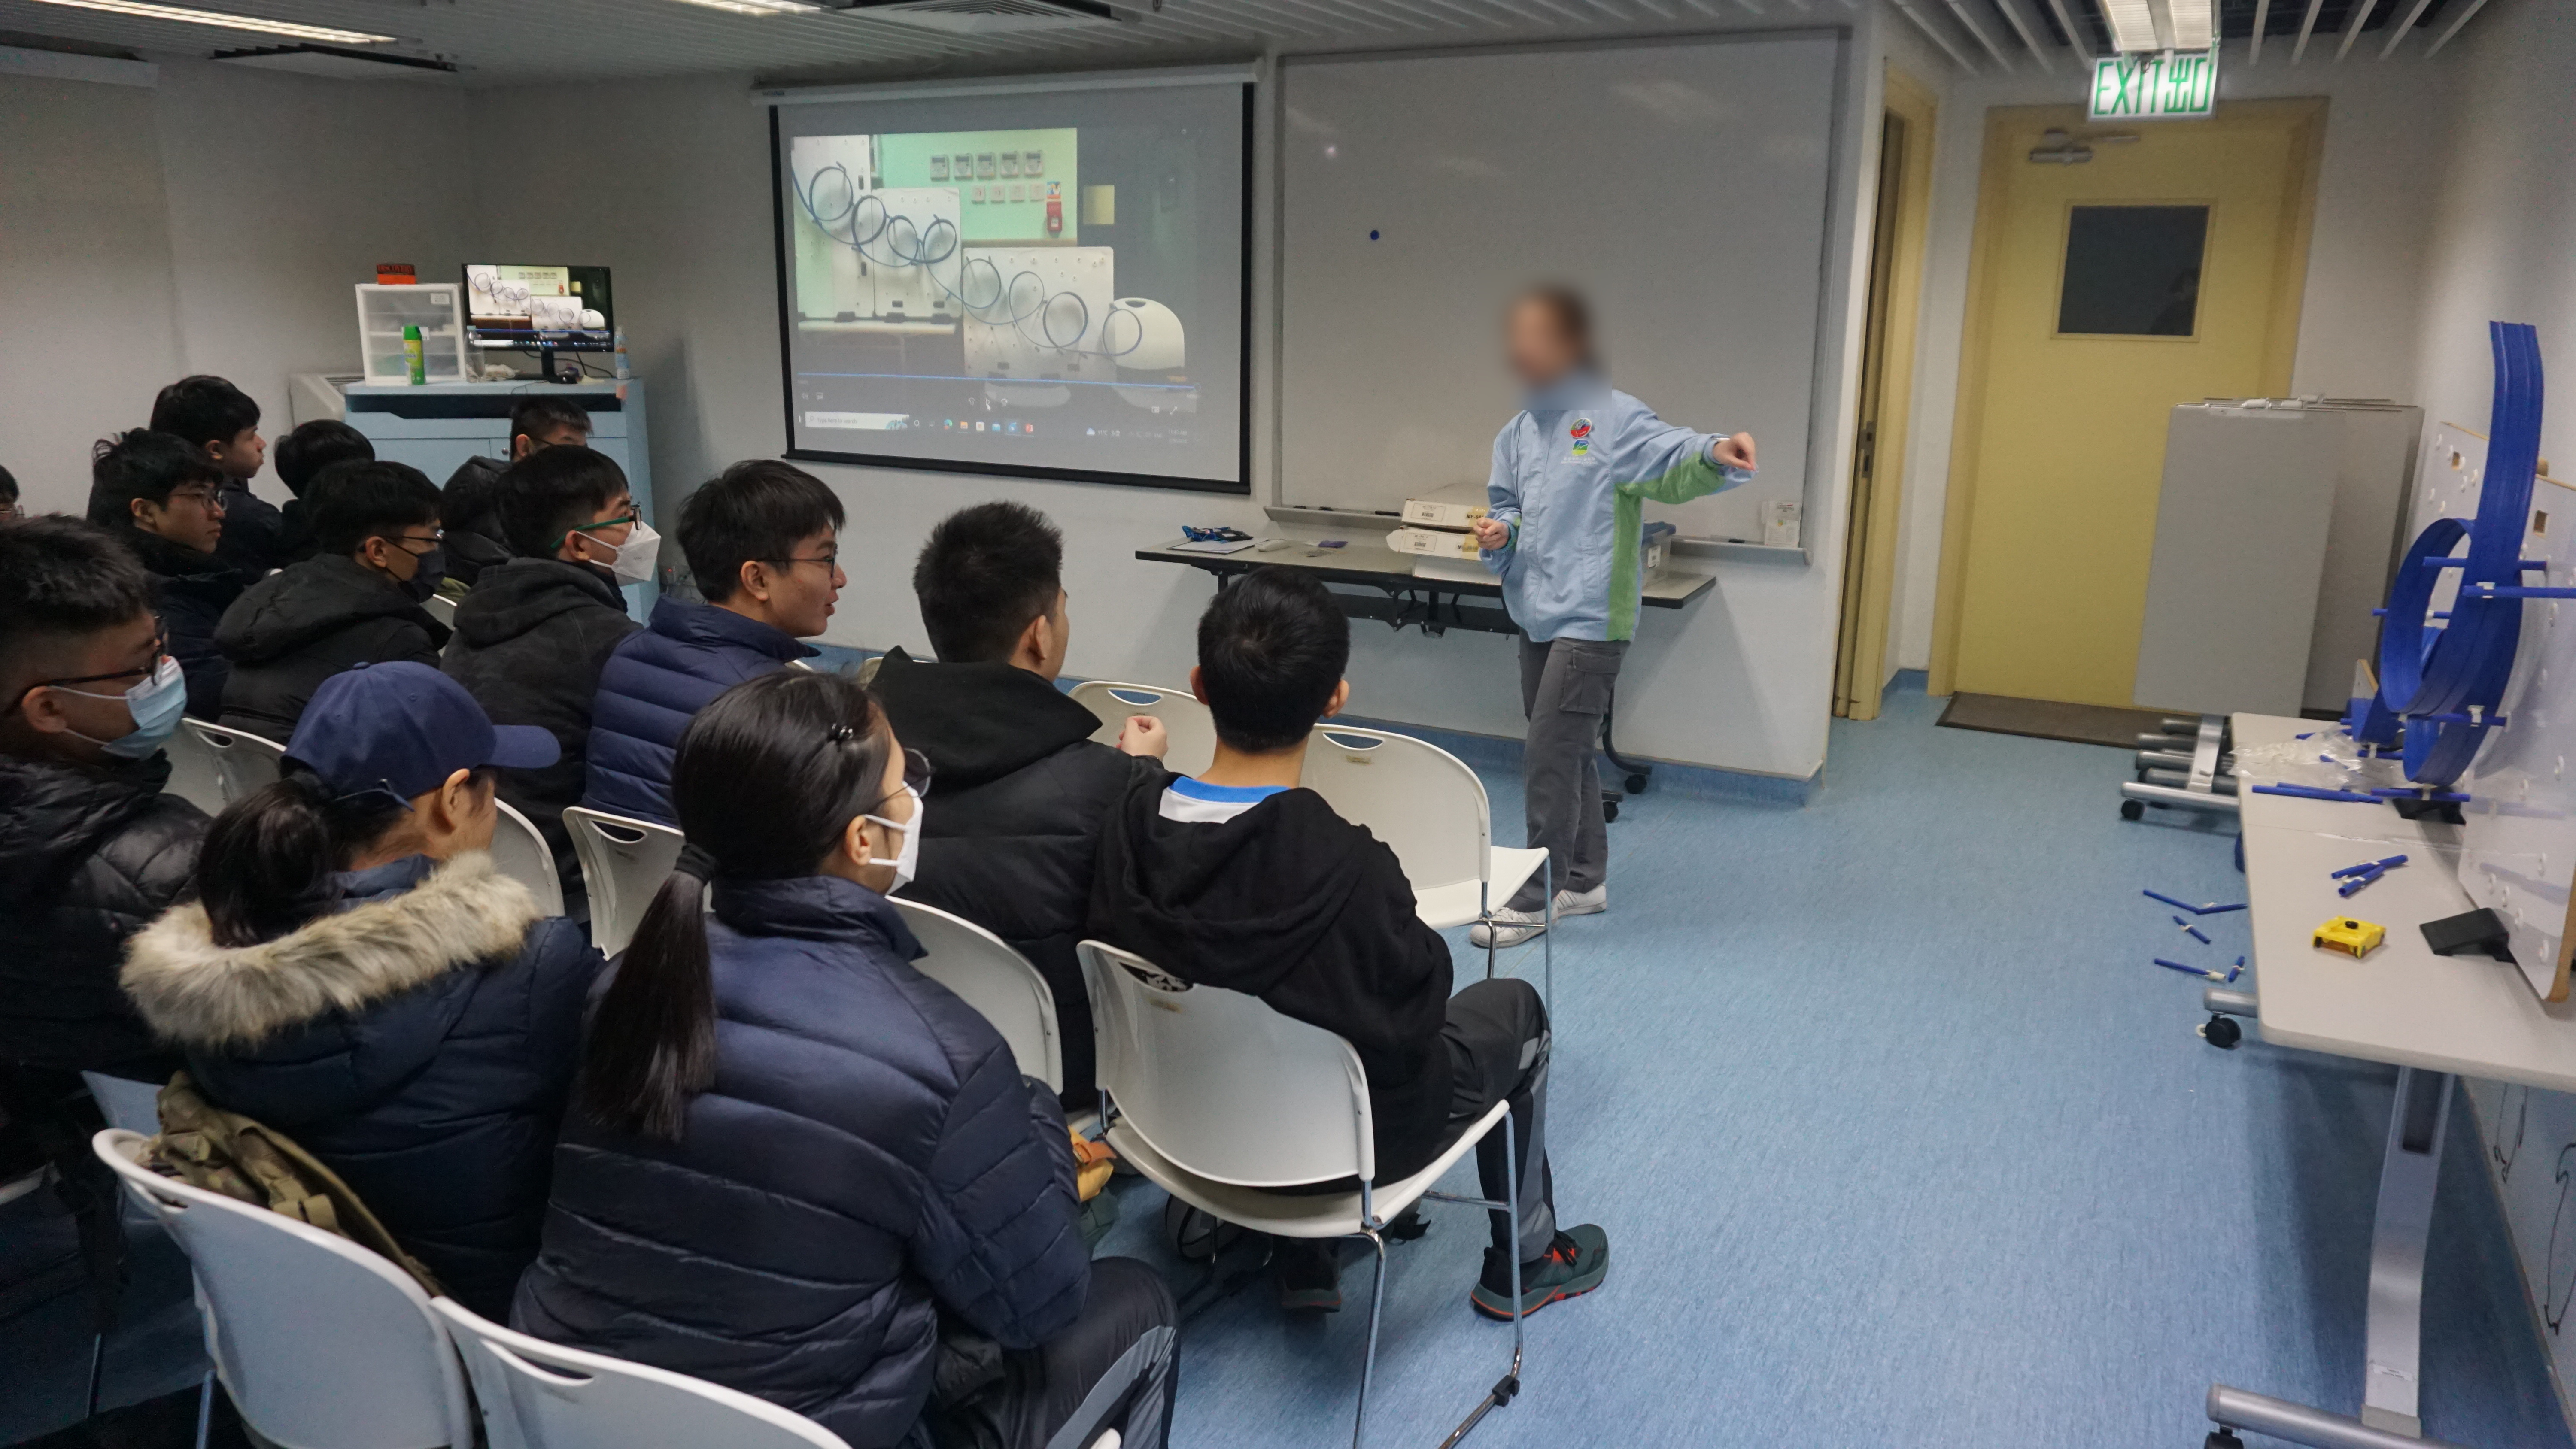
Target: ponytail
{"type": "Point", "coordinates": [766, 781]}
{"type": "Point", "coordinates": [653, 1040]}
{"type": "Point", "coordinates": [268, 859]}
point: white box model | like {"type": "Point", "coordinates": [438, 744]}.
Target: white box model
{"type": "Point", "coordinates": [1437, 543]}
{"type": "Point", "coordinates": [436, 308]}
{"type": "Point", "coordinates": [1034, 315]}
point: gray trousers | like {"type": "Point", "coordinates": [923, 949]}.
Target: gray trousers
{"type": "Point", "coordinates": [1498, 1042]}
{"type": "Point", "coordinates": [1565, 690]}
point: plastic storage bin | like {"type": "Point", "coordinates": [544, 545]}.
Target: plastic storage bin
{"type": "Point", "coordinates": [436, 309]}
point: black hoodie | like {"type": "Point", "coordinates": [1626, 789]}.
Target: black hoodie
{"type": "Point", "coordinates": [89, 855]}
{"type": "Point", "coordinates": [1018, 793]}
{"type": "Point", "coordinates": [530, 641]}
{"type": "Point", "coordinates": [292, 630]}
{"type": "Point", "coordinates": [191, 590]}
{"type": "Point", "coordinates": [1291, 903]}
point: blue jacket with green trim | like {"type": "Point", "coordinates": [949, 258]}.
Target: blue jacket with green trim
{"type": "Point", "coordinates": [1572, 483]}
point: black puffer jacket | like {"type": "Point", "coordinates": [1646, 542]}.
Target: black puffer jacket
{"type": "Point", "coordinates": [530, 641]}
{"type": "Point", "coordinates": [255, 533]}
{"type": "Point", "coordinates": [292, 630]}
{"type": "Point", "coordinates": [420, 1041]}
{"type": "Point", "coordinates": [868, 1157]}
{"type": "Point", "coordinates": [89, 855]}
{"type": "Point", "coordinates": [473, 532]}
{"type": "Point", "coordinates": [1020, 790]}
{"type": "Point", "coordinates": [192, 590]}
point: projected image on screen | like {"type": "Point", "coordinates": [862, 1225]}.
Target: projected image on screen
{"type": "Point", "coordinates": [1054, 298]}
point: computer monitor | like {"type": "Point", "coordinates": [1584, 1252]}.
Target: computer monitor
{"type": "Point", "coordinates": [539, 309]}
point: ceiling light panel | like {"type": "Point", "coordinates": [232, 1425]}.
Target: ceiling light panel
{"type": "Point", "coordinates": [2133, 24]}
{"type": "Point", "coordinates": [142, 10]}
{"type": "Point", "coordinates": [2192, 24]}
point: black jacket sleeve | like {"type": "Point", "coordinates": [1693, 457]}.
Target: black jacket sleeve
{"type": "Point", "coordinates": [997, 1239]}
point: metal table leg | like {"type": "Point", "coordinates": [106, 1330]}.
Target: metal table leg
{"type": "Point", "coordinates": [2206, 783]}
{"type": "Point", "coordinates": [2391, 1356]}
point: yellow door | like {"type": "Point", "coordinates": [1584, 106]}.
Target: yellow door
{"type": "Point", "coordinates": [2165, 269]}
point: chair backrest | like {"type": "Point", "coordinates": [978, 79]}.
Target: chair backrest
{"type": "Point", "coordinates": [126, 1103]}
{"type": "Point", "coordinates": [322, 1344]}
{"type": "Point", "coordinates": [1420, 799]}
{"type": "Point", "coordinates": [1192, 746]}
{"type": "Point", "coordinates": [241, 761]}
{"type": "Point", "coordinates": [194, 774]}
{"type": "Point", "coordinates": [441, 608]}
{"type": "Point", "coordinates": [1222, 1085]}
{"type": "Point", "coordinates": [520, 852]}
{"type": "Point", "coordinates": [986, 974]}
{"type": "Point", "coordinates": [623, 862]}
{"type": "Point", "coordinates": [539, 1395]}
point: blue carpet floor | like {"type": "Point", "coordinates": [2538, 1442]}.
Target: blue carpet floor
{"type": "Point", "coordinates": [1901, 1140]}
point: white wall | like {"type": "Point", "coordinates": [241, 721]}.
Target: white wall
{"type": "Point", "coordinates": [671, 187]}
{"type": "Point", "coordinates": [2359, 316]}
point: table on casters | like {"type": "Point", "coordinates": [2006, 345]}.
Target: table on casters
{"type": "Point", "coordinates": [2435, 1018]}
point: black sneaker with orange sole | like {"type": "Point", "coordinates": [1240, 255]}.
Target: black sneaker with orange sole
{"type": "Point", "coordinates": [1574, 1264]}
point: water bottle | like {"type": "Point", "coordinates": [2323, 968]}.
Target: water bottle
{"type": "Point", "coordinates": [618, 345]}
{"type": "Point", "coordinates": [415, 356]}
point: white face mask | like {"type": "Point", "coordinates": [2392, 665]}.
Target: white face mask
{"type": "Point", "coordinates": [636, 557]}
{"type": "Point", "coordinates": [907, 861]}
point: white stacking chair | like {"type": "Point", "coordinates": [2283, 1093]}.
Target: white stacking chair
{"type": "Point", "coordinates": [127, 1104]}
{"type": "Point", "coordinates": [1192, 730]}
{"type": "Point", "coordinates": [1221, 1102]}
{"type": "Point", "coordinates": [1432, 811]}
{"type": "Point", "coordinates": [519, 851]}
{"type": "Point", "coordinates": [623, 863]}
{"type": "Point", "coordinates": [321, 1343]}
{"type": "Point", "coordinates": [539, 1395]}
{"type": "Point", "coordinates": [242, 762]}
{"type": "Point", "coordinates": [195, 775]}
{"type": "Point", "coordinates": [441, 608]}
{"type": "Point", "coordinates": [986, 974]}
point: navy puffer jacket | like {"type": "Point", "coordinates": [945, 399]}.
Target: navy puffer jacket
{"type": "Point", "coordinates": [868, 1156]}
{"type": "Point", "coordinates": [420, 1042]}
{"type": "Point", "coordinates": [651, 687]}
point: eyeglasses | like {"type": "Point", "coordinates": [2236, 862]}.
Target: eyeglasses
{"type": "Point", "coordinates": [602, 523]}
{"type": "Point", "coordinates": [437, 537]}
{"type": "Point", "coordinates": [160, 651]}
{"type": "Point", "coordinates": [830, 560]}
{"type": "Point", "coordinates": [916, 775]}
{"type": "Point", "coordinates": [206, 498]}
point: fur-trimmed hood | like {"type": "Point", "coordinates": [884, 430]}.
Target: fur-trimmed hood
{"type": "Point", "coordinates": [201, 995]}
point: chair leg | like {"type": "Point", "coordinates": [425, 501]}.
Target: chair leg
{"type": "Point", "coordinates": [1507, 1387]}
{"type": "Point", "coordinates": [97, 1370]}
{"type": "Point", "coordinates": [1368, 1365]}
{"type": "Point", "coordinates": [1547, 947]}
{"type": "Point", "coordinates": [205, 1407]}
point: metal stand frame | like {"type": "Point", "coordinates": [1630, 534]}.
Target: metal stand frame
{"type": "Point", "coordinates": [2188, 766]}
{"type": "Point", "coordinates": [2391, 1355]}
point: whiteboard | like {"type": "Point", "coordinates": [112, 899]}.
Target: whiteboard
{"type": "Point", "coordinates": [1682, 185]}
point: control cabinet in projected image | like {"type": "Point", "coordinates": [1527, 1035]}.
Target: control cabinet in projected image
{"type": "Point", "coordinates": [977, 283]}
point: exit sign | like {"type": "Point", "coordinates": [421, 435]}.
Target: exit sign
{"type": "Point", "coordinates": [2147, 85]}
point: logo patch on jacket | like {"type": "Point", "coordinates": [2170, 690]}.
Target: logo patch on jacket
{"type": "Point", "coordinates": [1581, 433]}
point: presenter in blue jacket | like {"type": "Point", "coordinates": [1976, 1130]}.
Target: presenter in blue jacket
{"type": "Point", "coordinates": [1572, 473]}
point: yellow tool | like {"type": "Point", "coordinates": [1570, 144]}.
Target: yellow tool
{"type": "Point", "coordinates": [2351, 937]}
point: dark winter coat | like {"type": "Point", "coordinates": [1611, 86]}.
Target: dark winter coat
{"type": "Point", "coordinates": [89, 855]}
{"type": "Point", "coordinates": [1019, 791]}
{"type": "Point", "coordinates": [530, 641]}
{"type": "Point", "coordinates": [254, 539]}
{"type": "Point", "coordinates": [420, 1041]}
{"type": "Point", "coordinates": [655, 684]}
{"type": "Point", "coordinates": [292, 630]}
{"type": "Point", "coordinates": [1291, 903]}
{"type": "Point", "coordinates": [473, 533]}
{"type": "Point", "coordinates": [868, 1158]}
{"type": "Point", "coordinates": [191, 590]}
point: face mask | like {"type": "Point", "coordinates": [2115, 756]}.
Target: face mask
{"type": "Point", "coordinates": [637, 556]}
{"type": "Point", "coordinates": [155, 704]}
{"type": "Point", "coordinates": [426, 577]}
{"type": "Point", "coordinates": [907, 862]}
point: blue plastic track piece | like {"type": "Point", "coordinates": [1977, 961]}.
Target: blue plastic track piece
{"type": "Point", "coordinates": [2310, 792]}
{"type": "Point", "coordinates": [2194, 932]}
{"type": "Point", "coordinates": [2218, 910]}
{"type": "Point", "coordinates": [2168, 900]}
{"type": "Point", "coordinates": [2201, 971]}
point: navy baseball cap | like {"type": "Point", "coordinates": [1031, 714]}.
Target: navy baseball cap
{"type": "Point", "coordinates": [402, 728]}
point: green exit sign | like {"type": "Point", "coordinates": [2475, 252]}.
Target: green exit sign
{"type": "Point", "coordinates": [2147, 85]}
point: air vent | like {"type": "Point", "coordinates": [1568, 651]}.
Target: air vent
{"type": "Point", "coordinates": [992, 17]}
{"type": "Point", "coordinates": [341, 62]}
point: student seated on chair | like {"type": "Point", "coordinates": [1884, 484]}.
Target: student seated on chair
{"type": "Point", "coordinates": [476, 538]}
{"type": "Point", "coordinates": [221, 422]}
{"type": "Point", "coordinates": [358, 601]}
{"type": "Point", "coordinates": [763, 541]}
{"type": "Point", "coordinates": [1021, 786]}
{"type": "Point", "coordinates": [91, 849]}
{"type": "Point", "coordinates": [798, 1167]}
{"type": "Point", "coordinates": [165, 499]}
{"type": "Point", "coordinates": [356, 975]}
{"type": "Point", "coordinates": [533, 635]}
{"type": "Point", "coordinates": [1240, 879]}
{"type": "Point", "coordinates": [302, 457]}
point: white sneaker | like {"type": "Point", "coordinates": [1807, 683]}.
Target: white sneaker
{"type": "Point", "coordinates": [1513, 928]}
